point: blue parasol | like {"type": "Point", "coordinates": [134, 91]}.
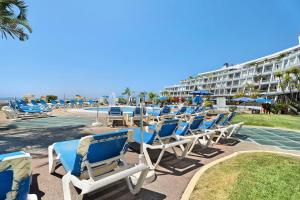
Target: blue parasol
{"type": "Point", "coordinates": [201, 92]}
{"type": "Point", "coordinates": [197, 100]}
{"type": "Point", "coordinates": [264, 100]}
{"type": "Point", "coordinates": [244, 99]}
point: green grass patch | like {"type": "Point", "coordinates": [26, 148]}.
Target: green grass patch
{"type": "Point", "coordinates": [276, 121]}
{"type": "Point", "coordinates": [251, 176]}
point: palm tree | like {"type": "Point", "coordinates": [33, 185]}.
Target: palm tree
{"type": "Point", "coordinates": [127, 92]}
{"type": "Point", "coordinates": [12, 23]}
{"type": "Point", "coordinates": [152, 96]}
{"type": "Point", "coordinates": [282, 84]}
{"type": "Point", "coordinates": [143, 95]}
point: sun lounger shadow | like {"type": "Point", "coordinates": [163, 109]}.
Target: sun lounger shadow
{"type": "Point", "coordinates": [119, 191]}
{"type": "Point", "coordinates": [229, 141]}
{"type": "Point", "coordinates": [209, 152]}
{"type": "Point", "coordinates": [177, 167]}
{"type": "Point", "coordinates": [35, 187]}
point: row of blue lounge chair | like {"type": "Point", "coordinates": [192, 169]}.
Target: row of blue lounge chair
{"type": "Point", "coordinates": [95, 161]}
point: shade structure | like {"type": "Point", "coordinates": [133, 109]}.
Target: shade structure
{"type": "Point", "coordinates": [197, 100]}
{"type": "Point", "coordinates": [162, 98]}
{"type": "Point", "coordinates": [201, 92]}
{"type": "Point", "coordinates": [244, 99]}
{"type": "Point", "coordinates": [264, 100]}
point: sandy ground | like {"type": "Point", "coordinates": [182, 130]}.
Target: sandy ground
{"type": "Point", "coordinates": [173, 174]}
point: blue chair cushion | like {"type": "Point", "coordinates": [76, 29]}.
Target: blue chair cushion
{"type": "Point", "coordinates": [148, 137]}
{"type": "Point", "coordinates": [182, 129]}
{"type": "Point", "coordinates": [7, 178]}
{"type": "Point", "coordinates": [68, 154]}
{"type": "Point", "coordinates": [7, 155]}
{"type": "Point", "coordinates": [207, 124]}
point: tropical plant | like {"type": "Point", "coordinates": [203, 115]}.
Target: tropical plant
{"type": "Point", "coordinates": [143, 95]}
{"type": "Point", "coordinates": [152, 96]}
{"type": "Point", "coordinates": [190, 77]}
{"type": "Point", "coordinates": [51, 97]}
{"type": "Point", "coordinates": [208, 103]}
{"type": "Point", "coordinates": [239, 94]}
{"type": "Point", "coordinates": [13, 20]}
{"type": "Point", "coordinates": [121, 100]}
{"type": "Point", "coordinates": [127, 92]}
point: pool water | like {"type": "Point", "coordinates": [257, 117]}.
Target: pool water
{"type": "Point", "coordinates": [124, 109]}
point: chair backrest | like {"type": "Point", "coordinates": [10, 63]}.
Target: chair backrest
{"type": "Point", "coordinates": [182, 128]}
{"type": "Point", "coordinates": [91, 102]}
{"type": "Point", "coordinates": [196, 122]}
{"type": "Point", "coordinates": [62, 102]}
{"type": "Point", "coordinates": [166, 128]}
{"type": "Point", "coordinates": [43, 102]}
{"type": "Point", "coordinates": [33, 102]}
{"type": "Point", "coordinates": [115, 111]}
{"type": "Point", "coordinates": [137, 111]}
{"type": "Point", "coordinates": [215, 121]}
{"type": "Point", "coordinates": [100, 147]}
{"type": "Point", "coordinates": [72, 101]}
{"type": "Point", "coordinates": [21, 101]}
{"type": "Point", "coordinates": [219, 118]}
{"type": "Point", "coordinates": [15, 175]}
{"type": "Point", "coordinates": [199, 109]}
{"type": "Point", "coordinates": [80, 102]}
{"type": "Point", "coordinates": [182, 110]}
{"type": "Point", "coordinates": [228, 119]}
{"type": "Point", "coordinates": [165, 110]}
{"type": "Point", "coordinates": [53, 102]}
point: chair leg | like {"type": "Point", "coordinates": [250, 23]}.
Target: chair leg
{"type": "Point", "coordinates": [147, 157]}
{"type": "Point", "coordinates": [187, 149]}
{"type": "Point", "coordinates": [66, 186]}
{"type": "Point", "coordinates": [159, 158]}
{"type": "Point", "coordinates": [31, 197]}
{"type": "Point", "coordinates": [52, 161]}
{"type": "Point", "coordinates": [134, 189]}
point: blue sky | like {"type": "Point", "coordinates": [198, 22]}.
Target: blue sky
{"type": "Point", "coordinates": [98, 47]}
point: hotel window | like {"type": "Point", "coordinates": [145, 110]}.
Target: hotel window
{"type": "Point", "coordinates": [259, 70]}
{"type": "Point", "coordinates": [237, 75]}
{"type": "Point", "coordinates": [234, 90]}
{"type": "Point", "coordinates": [251, 71]}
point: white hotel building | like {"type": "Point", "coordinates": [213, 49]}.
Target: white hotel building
{"type": "Point", "coordinates": [228, 80]}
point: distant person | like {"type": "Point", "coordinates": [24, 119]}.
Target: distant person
{"type": "Point", "coordinates": [263, 105]}
{"type": "Point", "coordinates": [268, 108]}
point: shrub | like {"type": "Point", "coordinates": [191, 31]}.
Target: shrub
{"type": "Point", "coordinates": [50, 98]}
{"type": "Point", "coordinates": [208, 103]}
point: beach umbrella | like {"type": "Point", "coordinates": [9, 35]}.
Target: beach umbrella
{"type": "Point", "coordinates": [264, 100]}
{"type": "Point", "coordinates": [201, 92]}
{"type": "Point", "coordinates": [197, 100]}
{"type": "Point", "coordinates": [244, 99]}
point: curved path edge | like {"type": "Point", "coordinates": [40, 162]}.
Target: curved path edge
{"type": "Point", "coordinates": [189, 189]}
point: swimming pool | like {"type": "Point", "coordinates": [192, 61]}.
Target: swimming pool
{"type": "Point", "coordinates": [125, 109]}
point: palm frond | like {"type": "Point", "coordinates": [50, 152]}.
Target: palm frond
{"type": "Point", "coordinates": [14, 24]}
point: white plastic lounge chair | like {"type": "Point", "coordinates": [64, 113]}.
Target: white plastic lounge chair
{"type": "Point", "coordinates": [96, 161]}
{"type": "Point", "coordinates": [227, 131]}
{"type": "Point", "coordinates": [160, 136]}
{"type": "Point", "coordinates": [163, 112]}
{"type": "Point", "coordinates": [15, 176]}
{"type": "Point", "coordinates": [115, 114]}
{"type": "Point", "coordinates": [136, 115]}
{"type": "Point", "coordinates": [192, 130]}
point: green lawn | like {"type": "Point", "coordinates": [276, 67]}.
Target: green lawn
{"type": "Point", "coordinates": [251, 176]}
{"type": "Point", "coordinates": [280, 121]}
